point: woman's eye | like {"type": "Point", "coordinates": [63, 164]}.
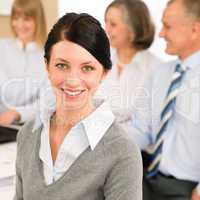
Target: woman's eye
{"type": "Point", "coordinates": [61, 66]}
{"type": "Point", "coordinates": [88, 68]}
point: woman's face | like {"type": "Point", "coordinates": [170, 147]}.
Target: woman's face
{"type": "Point", "coordinates": [75, 75]}
{"type": "Point", "coordinates": [118, 31]}
{"type": "Point", "coordinates": [24, 27]}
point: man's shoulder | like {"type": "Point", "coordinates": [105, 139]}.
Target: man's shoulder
{"type": "Point", "coordinates": [164, 71]}
{"type": "Point", "coordinates": [164, 67]}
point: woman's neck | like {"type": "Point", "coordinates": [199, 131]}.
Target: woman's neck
{"type": "Point", "coordinates": [125, 55]}
{"type": "Point", "coordinates": [66, 119]}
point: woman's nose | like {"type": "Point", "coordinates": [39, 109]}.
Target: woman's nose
{"type": "Point", "coordinates": [72, 78]}
{"type": "Point", "coordinates": [72, 82]}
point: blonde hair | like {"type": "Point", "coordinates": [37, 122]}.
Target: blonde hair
{"type": "Point", "coordinates": [33, 9]}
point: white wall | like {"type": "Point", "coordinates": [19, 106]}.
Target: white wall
{"type": "Point", "coordinates": [97, 8]}
{"type": "Point", "coordinates": [94, 7]}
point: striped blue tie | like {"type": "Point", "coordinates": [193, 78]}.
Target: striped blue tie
{"type": "Point", "coordinates": [166, 114]}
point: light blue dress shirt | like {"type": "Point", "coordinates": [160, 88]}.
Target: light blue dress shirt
{"type": "Point", "coordinates": [181, 148]}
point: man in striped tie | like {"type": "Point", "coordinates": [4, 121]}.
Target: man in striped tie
{"type": "Point", "coordinates": [169, 131]}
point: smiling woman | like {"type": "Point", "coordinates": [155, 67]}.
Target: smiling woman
{"type": "Point", "coordinates": [74, 76]}
{"type": "Point", "coordinates": [77, 151]}
{"type": "Point", "coordinates": [22, 63]}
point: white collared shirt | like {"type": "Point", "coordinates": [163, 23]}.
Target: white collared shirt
{"type": "Point", "coordinates": [22, 73]}
{"type": "Point", "coordinates": [87, 133]}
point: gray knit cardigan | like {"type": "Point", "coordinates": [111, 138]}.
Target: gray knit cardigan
{"type": "Point", "coordinates": [112, 171]}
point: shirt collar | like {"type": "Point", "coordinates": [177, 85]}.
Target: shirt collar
{"type": "Point", "coordinates": [29, 46]}
{"type": "Point", "coordinates": [98, 122]}
{"type": "Point", "coordinates": [95, 125]}
{"type": "Point", "coordinates": [192, 61]}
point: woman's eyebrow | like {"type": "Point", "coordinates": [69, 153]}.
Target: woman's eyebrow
{"type": "Point", "coordinates": [81, 63]}
{"type": "Point", "coordinates": [87, 63]}
{"type": "Point", "coordinates": [62, 60]}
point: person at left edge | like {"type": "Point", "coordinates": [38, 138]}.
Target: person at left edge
{"type": "Point", "coordinates": [22, 67]}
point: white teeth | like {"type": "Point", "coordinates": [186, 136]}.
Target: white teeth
{"type": "Point", "coordinates": [70, 93]}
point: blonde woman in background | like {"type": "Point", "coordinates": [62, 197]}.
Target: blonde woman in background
{"type": "Point", "coordinates": [22, 67]}
{"type": "Point", "coordinates": [131, 33]}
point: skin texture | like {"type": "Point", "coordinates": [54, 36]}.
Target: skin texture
{"type": "Point", "coordinates": [179, 31]}
{"type": "Point", "coordinates": [8, 117]}
{"type": "Point", "coordinates": [195, 195]}
{"type": "Point", "coordinates": [24, 28]}
{"type": "Point", "coordinates": [118, 31]}
{"type": "Point", "coordinates": [75, 77]}
{"type": "Point", "coordinates": [121, 36]}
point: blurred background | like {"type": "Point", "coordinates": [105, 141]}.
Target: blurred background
{"type": "Point", "coordinates": [56, 8]}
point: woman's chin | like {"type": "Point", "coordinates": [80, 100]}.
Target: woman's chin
{"type": "Point", "coordinates": [75, 103]}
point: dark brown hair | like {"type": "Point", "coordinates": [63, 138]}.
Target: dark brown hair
{"type": "Point", "coordinates": [83, 30]}
{"type": "Point", "coordinates": [139, 20]}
